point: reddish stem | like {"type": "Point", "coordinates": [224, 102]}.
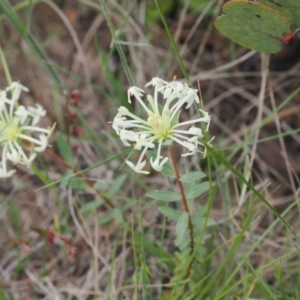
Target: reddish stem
{"type": "Point", "coordinates": [184, 202]}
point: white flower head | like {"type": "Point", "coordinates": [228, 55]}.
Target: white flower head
{"type": "Point", "coordinates": [17, 125]}
{"type": "Point", "coordinates": [161, 125]}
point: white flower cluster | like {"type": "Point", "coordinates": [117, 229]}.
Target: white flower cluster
{"type": "Point", "coordinates": [162, 126]}
{"type": "Point", "coordinates": [16, 125]}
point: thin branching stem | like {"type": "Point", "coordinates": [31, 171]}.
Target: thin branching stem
{"type": "Point", "coordinates": [183, 198]}
{"type": "Point", "coordinates": [85, 179]}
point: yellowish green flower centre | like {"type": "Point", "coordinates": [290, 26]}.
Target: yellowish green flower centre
{"type": "Point", "coordinates": [9, 131]}
{"type": "Point", "coordinates": [160, 126]}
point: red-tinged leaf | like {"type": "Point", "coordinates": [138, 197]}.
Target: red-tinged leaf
{"type": "Point", "coordinates": [288, 37]}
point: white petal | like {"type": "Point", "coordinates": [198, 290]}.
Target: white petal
{"type": "Point", "coordinates": [118, 123]}
{"type": "Point", "coordinates": [156, 165]}
{"type": "Point", "coordinates": [206, 118]}
{"type": "Point", "coordinates": [5, 173]}
{"type": "Point", "coordinates": [123, 111]}
{"type": "Point", "coordinates": [189, 96]}
{"type": "Point", "coordinates": [127, 136]}
{"type": "Point", "coordinates": [13, 155]}
{"type": "Point", "coordinates": [190, 146]}
{"type": "Point", "coordinates": [36, 113]}
{"type": "Point", "coordinates": [16, 88]}
{"type": "Point", "coordinates": [3, 100]}
{"type": "Point", "coordinates": [43, 143]}
{"type": "Point", "coordinates": [172, 90]}
{"type": "Point", "coordinates": [142, 141]}
{"type": "Point", "coordinates": [137, 168]}
{"type": "Point", "coordinates": [196, 131]}
{"type": "Point", "coordinates": [134, 91]}
{"type": "Point", "coordinates": [157, 82]}
{"type": "Point", "coordinates": [22, 114]}
{"type": "Point", "coordinates": [29, 160]}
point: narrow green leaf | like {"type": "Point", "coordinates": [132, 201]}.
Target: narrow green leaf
{"type": "Point", "coordinates": [2, 295]}
{"type": "Point", "coordinates": [192, 176]}
{"type": "Point", "coordinates": [91, 206]}
{"type": "Point", "coordinates": [14, 216]}
{"type": "Point", "coordinates": [239, 175]}
{"type": "Point", "coordinates": [101, 185]}
{"type": "Point", "coordinates": [87, 169]}
{"type": "Point", "coordinates": [118, 46]}
{"type": "Point", "coordinates": [168, 170]}
{"type": "Point", "coordinates": [172, 42]}
{"type": "Point", "coordinates": [5, 67]}
{"type": "Point", "coordinates": [196, 190]}
{"type": "Point", "coordinates": [182, 240]}
{"type": "Point", "coordinates": [182, 225]}
{"type": "Point", "coordinates": [116, 186]}
{"type": "Point", "coordinates": [118, 215]}
{"type": "Point", "coordinates": [154, 250]}
{"type": "Point", "coordinates": [164, 195]}
{"type": "Point", "coordinates": [199, 222]}
{"type": "Point", "coordinates": [78, 184]}
{"type": "Point", "coordinates": [201, 211]}
{"type": "Point", "coordinates": [169, 212]}
{"type": "Point", "coordinates": [64, 148]}
{"type": "Point", "coordinates": [132, 43]}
